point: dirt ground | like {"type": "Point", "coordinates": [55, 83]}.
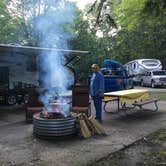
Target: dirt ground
{"type": "Point", "coordinates": [19, 147]}
{"type": "Point", "coordinates": [149, 151]}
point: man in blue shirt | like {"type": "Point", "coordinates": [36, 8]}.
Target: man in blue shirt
{"type": "Point", "coordinates": [97, 90]}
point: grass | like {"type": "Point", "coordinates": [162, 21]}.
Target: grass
{"type": "Point", "coordinates": [157, 154]}
{"type": "Point", "coordinates": [153, 155]}
{"type": "Point", "coordinates": [162, 136]}
{"type": "Point", "coordinates": [160, 95]}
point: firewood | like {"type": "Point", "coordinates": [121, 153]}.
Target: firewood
{"type": "Point", "coordinates": [74, 114]}
{"type": "Point", "coordinates": [100, 130]}
{"type": "Point", "coordinates": [84, 129]}
{"type": "Point", "coordinates": [89, 124]}
{"type": "Point", "coordinates": [94, 125]}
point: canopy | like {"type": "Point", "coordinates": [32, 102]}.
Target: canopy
{"type": "Point", "coordinates": [36, 50]}
{"type": "Point", "coordinates": [112, 64]}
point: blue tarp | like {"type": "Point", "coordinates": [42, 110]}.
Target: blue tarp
{"type": "Point", "coordinates": [114, 65]}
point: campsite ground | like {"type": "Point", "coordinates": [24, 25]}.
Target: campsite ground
{"type": "Point", "coordinates": [149, 151]}
{"type": "Point", "coordinates": [19, 147]}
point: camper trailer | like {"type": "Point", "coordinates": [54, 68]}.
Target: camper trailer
{"type": "Point", "coordinates": [19, 71]}
{"type": "Point", "coordinates": [139, 67]}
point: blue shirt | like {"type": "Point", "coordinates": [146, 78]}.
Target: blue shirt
{"type": "Point", "coordinates": [96, 83]}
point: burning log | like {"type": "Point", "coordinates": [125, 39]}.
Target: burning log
{"type": "Point", "coordinates": [56, 110]}
{"type": "Point", "coordinates": [51, 115]}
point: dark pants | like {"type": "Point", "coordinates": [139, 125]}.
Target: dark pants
{"type": "Point", "coordinates": [98, 106]}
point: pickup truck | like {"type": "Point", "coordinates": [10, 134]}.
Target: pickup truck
{"type": "Point", "coordinates": [154, 78]}
{"type": "Point", "coordinates": [117, 80]}
{"type": "Point", "coordinates": [115, 76]}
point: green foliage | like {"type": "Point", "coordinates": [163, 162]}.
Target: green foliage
{"type": "Point", "coordinates": [155, 7]}
{"type": "Point", "coordinates": [162, 136]}
{"type": "Point", "coordinates": [84, 40]}
{"type": "Point", "coordinates": [100, 11]}
{"type": "Point", "coordinates": [8, 24]}
{"type": "Point", "coordinates": [128, 13]}
{"type": "Point", "coordinates": [141, 34]}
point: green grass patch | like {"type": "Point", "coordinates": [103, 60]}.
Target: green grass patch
{"type": "Point", "coordinates": [162, 136]}
{"type": "Point", "coordinates": [146, 152]}
{"type": "Point", "coordinates": [160, 95]}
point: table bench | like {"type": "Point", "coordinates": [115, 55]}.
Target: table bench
{"type": "Point", "coordinates": [108, 100]}
{"type": "Point", "coordinates": [148, 101]}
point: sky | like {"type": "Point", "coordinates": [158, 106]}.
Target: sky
{"type": "Point", "coordinates": [81, 3]}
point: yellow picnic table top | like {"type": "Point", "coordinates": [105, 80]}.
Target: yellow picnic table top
{"type": "Point", "coordinates": [128, 95]}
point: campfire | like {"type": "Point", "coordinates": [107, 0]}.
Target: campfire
{"type": "Point", "coordinates": [54, 121]}
{"type": "Point", "coordinates": [55, 110]}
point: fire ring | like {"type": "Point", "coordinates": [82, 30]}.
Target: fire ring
{"type": "Point", "coordinates": [54, 128]}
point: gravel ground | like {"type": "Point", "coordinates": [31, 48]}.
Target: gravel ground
{"type": "Point", "coordinates": [18, 146]}
{"type": "Point", "coordinates": [149, 151]}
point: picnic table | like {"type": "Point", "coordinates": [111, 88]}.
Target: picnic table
{"type": "Point", "coordinates": [139, 96]}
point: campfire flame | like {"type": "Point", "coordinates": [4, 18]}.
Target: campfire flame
{"type": "Point", "coordinates": [57, 110]}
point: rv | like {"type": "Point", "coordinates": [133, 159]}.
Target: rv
{"type": "Point", "coordinates": [19, 70]}
{"type": "Point", "coordinates": [137, 68]}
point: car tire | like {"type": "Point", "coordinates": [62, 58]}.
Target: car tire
{"type": "Point", "coordinates": [11, 99]}
{"type": "Point", "coordinates": [26, 98]}
{"type": "Point", "coordinates": [152, 84]}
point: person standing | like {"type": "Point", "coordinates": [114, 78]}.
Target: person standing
{"type": "Point", "coordinates": [97, 90]}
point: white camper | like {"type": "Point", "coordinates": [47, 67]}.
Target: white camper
{"type": "Point", "coordinates": [139, 67]}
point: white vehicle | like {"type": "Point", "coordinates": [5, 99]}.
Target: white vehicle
{"type": "Point", "coordinates": [139, 67]}
{"type": "Point", "coordinates": [154, 78]}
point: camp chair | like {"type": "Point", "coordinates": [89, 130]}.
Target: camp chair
{"type": "Point", "coordinates": [33, 105]}
{"type": "Point", "coordinates": [80, 99]}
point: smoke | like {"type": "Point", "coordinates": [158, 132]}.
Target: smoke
{"type": "Point", "coordinates": [51, 28]}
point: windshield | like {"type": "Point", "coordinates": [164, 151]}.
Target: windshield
{"type": "Point", "coordinates": [159, 73]}
{"type": "Point", "coordinates": [150, 62]}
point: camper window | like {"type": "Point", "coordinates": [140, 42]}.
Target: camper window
{"type": "Point", "coordinates": [159, 73]}
{"type": "Point", "coordinates": [150, 62]}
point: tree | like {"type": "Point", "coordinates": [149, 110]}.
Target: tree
{"type": "Point", "coordinates": [155, 7]}
{"type": "Point", "coordinates": [101, 10]}
{"type": "Point", "coordinates": [8, 24]}
{"type": "Point", "coordinates": [30, 13]}
{"type": "Point", "coordinates": [86, 39]}
{"type": "Point", "coordinates": [142, 32]}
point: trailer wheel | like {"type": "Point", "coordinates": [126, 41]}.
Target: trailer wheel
{"type": "Point", "coordinates": [11, 100]}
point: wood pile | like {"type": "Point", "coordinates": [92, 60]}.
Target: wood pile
{"type": "Point", "coordinates": [89, 126]}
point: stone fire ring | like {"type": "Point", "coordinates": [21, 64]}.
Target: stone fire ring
{"type": "Point", "coordinates": [54, 128]}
